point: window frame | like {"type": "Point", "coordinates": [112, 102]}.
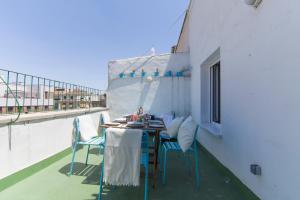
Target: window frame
{"type": "Point", "coordinates": [207, 121]}
{"type": "Point", "coordinates": [215, 93]}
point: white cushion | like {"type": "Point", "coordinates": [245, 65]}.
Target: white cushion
{"type": "Point", "coordinates": [172, 128]}
{"type": "Point", "coordinates": [88, 128]}
{"type": "Point", "coordinates": [186, 134]}
{"type": "Point", "coordinates": [168, 118]}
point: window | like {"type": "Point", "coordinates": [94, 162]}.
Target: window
{"type": "Point", "coordinates": [215, 92]}
{"type": "Point", "coordinates": [46, 95]}
{"type": "Point", "coordinates": [210, 86]}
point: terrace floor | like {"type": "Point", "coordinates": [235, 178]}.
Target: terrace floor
{"type": "Point", "coordinates": [52, 183]}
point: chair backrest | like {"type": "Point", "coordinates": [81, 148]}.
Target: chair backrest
{"type": "Point", "coordinates": [76, 130]}
{"type": "Point", "coordinates": [104, 117]}
{"type": "Point", "coordinates": [86, 127]}
{"type": "Point", "coordinates": [145, 142]}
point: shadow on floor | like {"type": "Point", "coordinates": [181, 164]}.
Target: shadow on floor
{"type": "Point", "coordinates": [95, 151]}
{"type": "Point", "coordinates": [122, 192]}
{"type": "Point", "coordinates": [91, 172]}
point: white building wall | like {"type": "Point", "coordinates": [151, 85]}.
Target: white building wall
{"type": "Point", "coordinates": [259, 89]}
{"type": "Point", "coordinates": [34, 142]}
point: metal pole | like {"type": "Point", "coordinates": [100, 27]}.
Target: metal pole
{"type": "Point", "coordinates": [44, 94]}
{"type": "Point", "coordinates": [7, 91]}
{"type": "Point", "coordinates": [84, 96]}
{"type": "Point", "coordinates": [54, 93]}
{"type": "Point", "coordinates": [31, 85]}
{"type": "Point", "coordinates": [63, 95]}
{"type": "Point", "coordinates": [59, 97]}
{"type": "Point", "coordinates": [24, 92]}
{"type": "Point", "coordinates": [49, 94]}
{"type": "Point", "coordinates": [73, 100]}
{"type": "Point", "coordinates": [66, 95]}
{"type": "Point", "coordinates": [80, 96]}
{"type": "Point", "coordinates": [17, 80]}
{"type": "Point", "coordinates": [38, 93]}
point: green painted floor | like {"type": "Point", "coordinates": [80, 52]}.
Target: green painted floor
{"type": "Point", "coordinates": [52, 183]}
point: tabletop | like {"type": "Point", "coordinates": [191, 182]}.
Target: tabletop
{"type": "Point", "coordinates": [146, 126]}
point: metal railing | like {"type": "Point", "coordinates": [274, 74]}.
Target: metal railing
{"type": "Point", "coordinates": [27, 93]}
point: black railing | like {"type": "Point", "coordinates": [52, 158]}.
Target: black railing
{"type": "Point", "coordinates": [27, 93]}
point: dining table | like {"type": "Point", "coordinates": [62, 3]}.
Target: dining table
{"type": "Point", "coordinates": [153, 131]}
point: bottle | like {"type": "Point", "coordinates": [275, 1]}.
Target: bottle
{"type": "Point", "coordinates": [140, 110]}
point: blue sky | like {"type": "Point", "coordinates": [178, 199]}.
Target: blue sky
{"type": "Point", "coordinates": [72, 40]}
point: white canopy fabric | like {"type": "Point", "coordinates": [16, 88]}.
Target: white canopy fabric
{"type": "Point", "coordinates": [158, 95]}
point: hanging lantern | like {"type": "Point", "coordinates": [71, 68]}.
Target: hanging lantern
{"type": "Point", "coordinates": [168, 74]}
{"type": "Point", "coordinates": [179, 74]}
{"type": "Point", "coordinates": [122, 75]}
{"type": "Point", "coordinates": [132, 74]}
{"type": "Point", "coordinates": [156, 73]}
{"type": "Point", "coordinates": [143, 74]}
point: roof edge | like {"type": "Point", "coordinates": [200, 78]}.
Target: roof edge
{"type": "Point", "coordinates": [183, 24]}
{"type": "Point", "coordinates": [139, 57]}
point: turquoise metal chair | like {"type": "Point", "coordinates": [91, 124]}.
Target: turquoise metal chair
{"type": "Point", "coordinates": [163, 137]}
{"type": "Point", "coordinates": [95, 141]}
{"type": "Point", "coordinates": [169, 146]}
{"type": "Point", "coordinates": [144, 162]}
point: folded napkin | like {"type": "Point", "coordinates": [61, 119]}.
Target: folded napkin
{"type": "Point", "coordinates": [122, 157]}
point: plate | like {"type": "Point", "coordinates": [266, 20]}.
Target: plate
{"type": "Point", "coordinates": [120, 120]}
{"type": "Point", "coordinates": [112, 124]}
{"type": "Point", "coordinates": [155, 122]}
{"type": "Point", "coordinates": [135, 124]}
{"type": "Point", "coordinates": [156, 125]}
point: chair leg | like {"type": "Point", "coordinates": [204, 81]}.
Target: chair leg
{"type": "Point", "coordinates": [146, 183]}
{"type": "Point", "coordinates": [160, 157]}
{"type": "Point", "coordinates": [165, 166]}
{"type": "Point", "coordinates": [73, 159]}
{"type": "Point", "coordinates": [101, 181]}
{"type": "Point", "coordinates": [196, 165]}
{"type": "Point", "coordinates": [87, 154]}
{"type": "Point", "coordinates": [100, 150]}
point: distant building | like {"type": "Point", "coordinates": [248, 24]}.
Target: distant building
{"type": "Point", "coordinates": [44, 98]}
{"type": "Point", "coordinates": [30, 98]}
